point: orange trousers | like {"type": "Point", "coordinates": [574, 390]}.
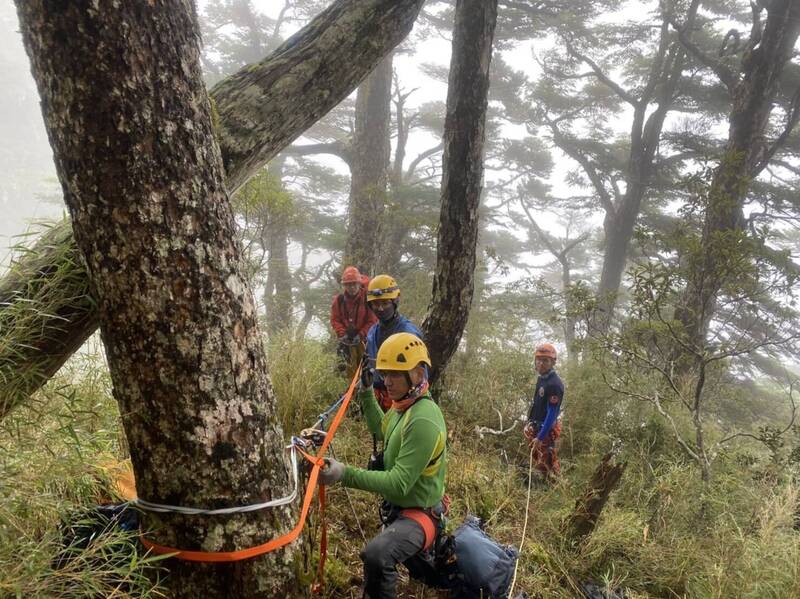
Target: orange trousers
{"type": "Point", "coordinates": [546, 454]}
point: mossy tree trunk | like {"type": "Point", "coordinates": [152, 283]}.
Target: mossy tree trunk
{"type": "Point", "coordinates": [256, 113]}
{"type": "Point", "coordinates": [369, 167]}
{"type": "Point", "coordinates": [462, 179]}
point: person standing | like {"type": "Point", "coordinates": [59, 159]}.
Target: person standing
{"type": "Point", "coordinates": [351, 318]}
{"type": "Point", "coordinates": [383, 298]}
{"type": "Point", "coordinates": [543, 428]}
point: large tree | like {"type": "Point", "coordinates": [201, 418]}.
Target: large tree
{"type": "Point", "coordinates": [130, 124]}
{"type": "Point", "coordinates": [369, 167]}
{"type": "Point", "coordinates": [642, 72]}
{"type": "Point", "coordinates": [754, 86]}
{"type": "Point", "coordinates": [462, 179]}
{"type": "Point", "coordinates": [258, 111]}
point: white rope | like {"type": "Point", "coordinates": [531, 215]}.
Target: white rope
{"type": "Point", "coordinates": [178, 509]}
{"type": "Point", "coordinates": [524, 526]}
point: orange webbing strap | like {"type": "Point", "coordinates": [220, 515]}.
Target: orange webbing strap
{"type": "Point", "coordinates": [241, 554]}
{"type": "Point", "coordinates": [323, 542]}
{"type": "Point", "coordinates": [425, 520]}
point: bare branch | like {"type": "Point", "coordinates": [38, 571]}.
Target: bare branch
{"type": "Point", "coordinates": [426, 154]}
{"type": "Point", "coordinates": [483, 430]}
{"type": "Point", "coordinates": [792, 116]}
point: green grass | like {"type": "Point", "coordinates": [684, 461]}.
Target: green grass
{"type": "Point", "coordinates": [663, 533]}
{"type": "Point", "coordinates": [50, 452]}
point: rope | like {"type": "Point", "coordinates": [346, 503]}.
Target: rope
{"type": "Point", "coordinates": [192, 511]}
{"type": "Point", "coordinates": [242, 554]}
{"type": "Point", "coordinates": [525, 525]}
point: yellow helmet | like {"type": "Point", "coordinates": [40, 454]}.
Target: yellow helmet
{"type": "Point", "coordinates": [402, 351]}
{"type": "Point", "coordinates": [382, 287]}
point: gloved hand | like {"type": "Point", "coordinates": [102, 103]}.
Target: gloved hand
{"type": "Point", "coordinates": [331, 472]}
{"type": "Point", "coordinates": [529, 432]}
{"type": "Point", "coordinates": [352, 332]}
{"type": "Point", "coordinates": [367, 377]}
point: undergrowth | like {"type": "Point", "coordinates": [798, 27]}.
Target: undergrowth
{"type": "Point", "coordinates": [664, 532]}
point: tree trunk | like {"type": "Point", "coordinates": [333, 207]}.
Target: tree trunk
{"type": "Point", "coordinates": [142, 178]}
{"type": "Point", "coordinates": [620, 222]}
{"type": "Point", "coordinates": [369, 169]}
{"type": "Point", "coordinates": [278, 290]}
{"type": "Point", "coordinates": [588, 507]}
{"type": "Point", "coordinates": [462, 179]}
{"type": "Point", "coordinates": [744, 157]}
{"type": "Point", "coordinates": [263, 109]}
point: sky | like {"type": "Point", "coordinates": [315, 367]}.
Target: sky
{"type": "Point", "coordinates": [29, 189]}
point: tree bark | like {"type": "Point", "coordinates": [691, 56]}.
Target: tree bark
{"type": "Point", "coordinates": [369, 169]}
{"type": "Point", "coordinates": [745, 155]}
{"type": "Point", "coordinates": [462, 179]}
{"type": "Point", "coordinates": [263, 109]}
{"type": "Point", "coordinates": [142, 178]}
{"type": "Point", "coordinates": [588, 507]}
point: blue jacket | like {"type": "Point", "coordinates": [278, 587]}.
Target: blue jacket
{"type": "Point", "coordinates": [379, 333]}
{"type": "Point", "coordinates": [546, 403]}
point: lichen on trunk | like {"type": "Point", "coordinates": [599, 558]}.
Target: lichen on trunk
{"type": "Point", "coordinates": [128, 119]}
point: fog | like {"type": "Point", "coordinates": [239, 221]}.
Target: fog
{"type": "Point", "coordinates": [29, 190]}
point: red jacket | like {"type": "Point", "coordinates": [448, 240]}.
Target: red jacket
{"type": "Point", "coordinates": [347, 311]}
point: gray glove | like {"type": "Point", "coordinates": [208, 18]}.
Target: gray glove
{"type": "Point", "coordinates": [331, 473]}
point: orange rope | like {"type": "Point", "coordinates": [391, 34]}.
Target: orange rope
{"type": "Point", "coordinates": [323, 543]}
{"type": "Point", "coordinates": [242, 554]}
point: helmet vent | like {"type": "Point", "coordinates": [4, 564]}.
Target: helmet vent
{"type": "Point", "coordinates": [401, 358]}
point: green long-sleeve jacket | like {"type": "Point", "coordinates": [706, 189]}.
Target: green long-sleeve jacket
{"type": "Point", "coordinates": [415, 453]}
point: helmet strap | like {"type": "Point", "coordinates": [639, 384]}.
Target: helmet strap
{"type": "Point", "coordinates": [410, 398]}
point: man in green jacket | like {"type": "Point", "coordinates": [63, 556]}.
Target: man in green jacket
{"type": "Point", "coordinates": [411, 481]}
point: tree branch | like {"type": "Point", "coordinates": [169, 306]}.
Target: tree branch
{"type": "Point", "coordinates": [426, 154]}
{"type": "Point", "coordinates": [725, 74]}
{"type": "Point", "coordinates": [792, 117]}
{"type": "Point", "coordinates": [612, 85]}
{"type": "Point", "coordinates": [334, 148]}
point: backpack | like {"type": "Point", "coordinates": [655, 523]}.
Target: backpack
{"type": "Point", "coordinates": [469, 563]}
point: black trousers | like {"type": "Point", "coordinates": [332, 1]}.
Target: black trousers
{"type": "Point", "coordinates": [398, 541]}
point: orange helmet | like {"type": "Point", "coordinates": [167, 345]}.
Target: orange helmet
{"type": "Point", "coordinates": [351, 275]}
{"type": "Point", "coordinates": [546, 350]}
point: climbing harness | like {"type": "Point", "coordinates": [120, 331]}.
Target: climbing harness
{"type": "Point", "coordinates": [298, 445]}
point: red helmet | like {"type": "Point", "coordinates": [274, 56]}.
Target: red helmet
{"type": "Point", "coordinates": [546, 350]}
{"type": "Point", "coordinates": [351, 275]}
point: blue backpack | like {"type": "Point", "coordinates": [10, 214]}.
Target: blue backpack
{"type": "Point", "coordinates": [469, 563]}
